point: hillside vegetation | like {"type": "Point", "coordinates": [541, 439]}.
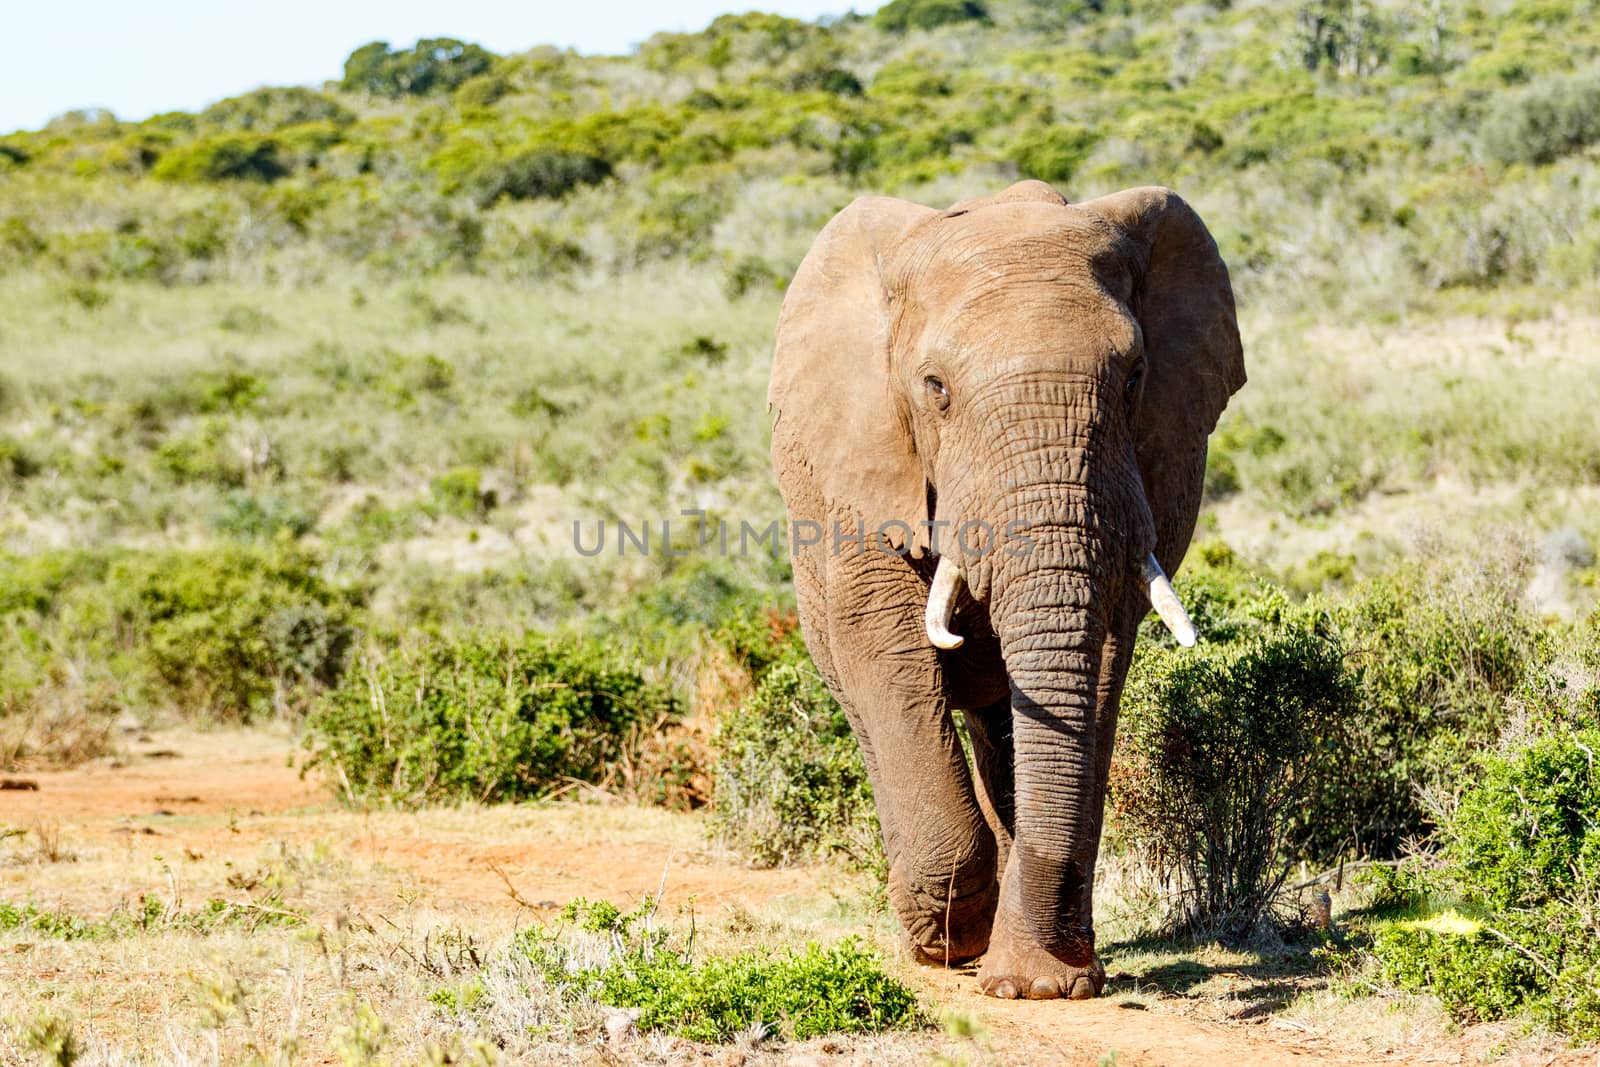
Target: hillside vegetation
{"type": "Point", "coordinates": [302, 395]}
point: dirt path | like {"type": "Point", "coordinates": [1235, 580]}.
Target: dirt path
{"type": "Point", "coordinates": [225, 801]}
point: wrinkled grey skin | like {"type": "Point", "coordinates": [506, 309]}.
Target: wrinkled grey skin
{"type": "Point", "coordinates": [1015, 358]}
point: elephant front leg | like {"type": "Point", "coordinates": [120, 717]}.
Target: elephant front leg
{"type": "Point", "coordinates": [942, 855]}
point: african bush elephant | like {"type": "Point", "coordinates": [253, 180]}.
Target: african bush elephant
{"type": "Point", "coordinates": [1016, 394]}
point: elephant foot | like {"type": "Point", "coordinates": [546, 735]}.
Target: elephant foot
{"type": "Point", "coordinates": [1014, 968]}
{"type": "Point", "coordinates": [952, 934]}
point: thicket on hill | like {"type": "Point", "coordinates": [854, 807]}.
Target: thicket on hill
{"type": "Point", "coordinates": [1442, 148]}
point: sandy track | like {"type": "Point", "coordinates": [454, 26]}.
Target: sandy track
{"type": "Point", "coordinates": [226, 796]}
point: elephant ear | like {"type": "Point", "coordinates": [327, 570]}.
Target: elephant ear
{"type": "Point", "coordinates": [833, 401]}
{"type": "Point", "coordinates": [1184, 304]}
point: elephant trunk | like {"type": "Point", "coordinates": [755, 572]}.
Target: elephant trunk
{"type": "Point", "coordinates": [1048, 614]}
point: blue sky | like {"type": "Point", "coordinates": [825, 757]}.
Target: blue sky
{"type": "Point", "coordinates": [167, 55]}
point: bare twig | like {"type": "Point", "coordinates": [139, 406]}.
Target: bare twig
{"type": "Point", "coordinates": [511, 890]}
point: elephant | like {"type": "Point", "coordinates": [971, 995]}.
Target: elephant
{"type": "Point", "coordinates": [1040, 378]}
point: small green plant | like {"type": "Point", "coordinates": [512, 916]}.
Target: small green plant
{"type": "Point", "coordinates": [799, 994]}
{"type": "Point", "coordinates": [485, 717]}
{"type": "Point", "coordinates": [52, 1037]}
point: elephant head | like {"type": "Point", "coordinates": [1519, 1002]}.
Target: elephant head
{"type": "Point", "coordinates": [1043, 377]}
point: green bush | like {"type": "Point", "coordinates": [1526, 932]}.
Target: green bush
{"type": "Point", "coordinates": [1520, 855]}
{"type": "Point", "coordinates": [272, 109]}
{"type": "Point", "coordinates": [459, 491]}
{"type": "Point", "coordinates": [832, 80]}
{"type": "Point", "coordinates": [1441, 645]}
{"type": "Point", "coordinates": [1544, 121]}
{"type": "Point", "coordinates": [1220, 749]}
{"type": "Point", "coordinates": [233, 631]}
{"type": "Point", "coordinates": [483, 717]}
{"type": "Point", "coordinates": [790, 781]}
{"type": "Point", "coordinates": [799, 994]}
{"type": "Point", "coordinates": [544, 173]}
{"type": "Point", "coordinates": [246, 516]}
{"type": "Point", "coordinates": [17, 462]}
{"type": "Point", "coordinates": [898, 16]}
{"type": "Point", "coordinates": [761, 638]}
{"type": "Point", "coordinates": [484, 90]}
{"type": "Point", "coordinates": [1054, 154]}
{"type": "Point", "coordinates": [223, 633]}
{"type": "Point", "coordinates": [223, 157]}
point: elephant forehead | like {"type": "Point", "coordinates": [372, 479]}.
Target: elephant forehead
{"type": "Point", "coordinates": [1008, 244]}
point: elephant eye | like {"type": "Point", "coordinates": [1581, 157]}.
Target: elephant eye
{"type": "Point", "coordinates": [937, 391]}
{"type": "Point", "coordinates": [1131, 389]}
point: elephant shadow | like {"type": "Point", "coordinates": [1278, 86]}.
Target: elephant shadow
{"type": "Point", "coordinates": [1258, 988]}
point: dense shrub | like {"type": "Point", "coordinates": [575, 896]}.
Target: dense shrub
{"type": "Point", "coordinates": [228, 632]}
{"type": "Point", "coordinates": [484, 90]}
{"type": "Point", "coordinates": [898, 16]}
{"type": "Point", "coordinates": [790, 781]}
{"type": "Point", "coordinates": [1436, 649]}
{"type": "Point", "coordinates": [233, 631]}
{"type": "Point", "coordinates": [223, 157]}
{"type": "Point", "coordinates": [433, 65]}
{"type": "Point", "coordinates": [544, 173]}
{"type": "Point", "coordinates": [1520, 855]}
{"type": "Point", "coordinates": [272, 109]}
{"type": "Point", "coordinates": [1220, 748]}
{"type": "Point", "coordinates": [460, 491]}
{"type": "Point", "coordinates": [483, 717]}
{"type": "Point", "coordinates": [828, 80]}
{"type": "Point", "coordinates": [1054, 154]}
{"type": "Point", "coordinates": [1544, 121]}
{"type": "Point", "coordinates": [1441, 644]}
{"type": "Point", "coordinates": [761, 638]}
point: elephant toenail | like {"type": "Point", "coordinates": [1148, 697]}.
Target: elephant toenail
{"type": "Point", "coordinates": [1083, 988]}
{"type": "Point", "coordinates": [1045, 988]}
{"type": "Point", "coordinates": [1005, 990]}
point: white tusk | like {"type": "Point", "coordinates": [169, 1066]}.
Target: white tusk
{"type": "Point", "coordinates": [1166, 602]}
{"type": "Point", "coordinates": [942, 602]}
